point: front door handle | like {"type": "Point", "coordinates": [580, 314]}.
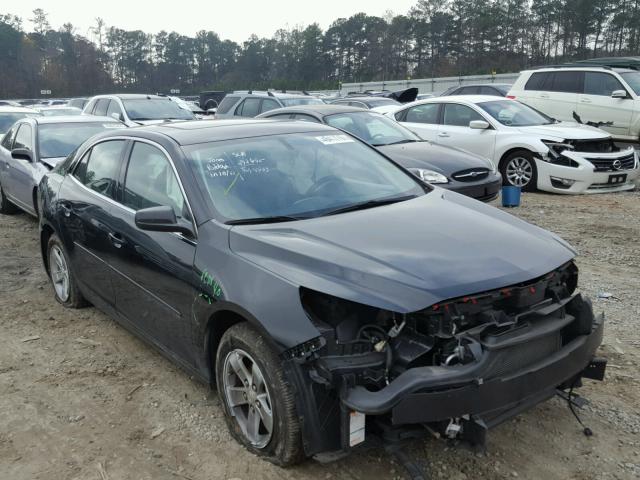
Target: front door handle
{"type": "Point", "coordinates": [116, 240]}
{"type": "Point", "coordinates": [585, 100]}
{"type": "Point", "coordinates": [443, 134]}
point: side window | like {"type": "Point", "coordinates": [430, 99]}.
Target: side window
{"type": "Point", "coordinates": [226, 104]}
{"type": "Point", "coordinates": [306, 118]}
{"type": "Point", "coordinates": [489, 91]}
{"type": "Point", "coordinates": [91, 106]}
{"type": "Point", "coordinates": [459, 115]}
{"type": "Point", "coordinates": [151, 181]}
{"type": "Point", "coordinates": [101, 107]}
{"type": "Point", "coordinates": [24, 137]}
{"type": "Point", "coordinates": [466, 91]}
{"type": "Point", "coordinates": [567, 82]}
{"type": "Point", "coordinates": [99, 168]}
{"type": "Point", "coordinates": [596, 83]}
{"type": "Point", "coordinates": [268, 104]}
{"type": "Point", "coordinates": [427, 113]}
{"type": "Point", "coordinates": [249, 108]}
{"type": "Point", "coordinates": [536, 81]}
{"type": "Point", "coordinates": [114, 108]}
{"type": "Point", "coordinates": [7, 141]}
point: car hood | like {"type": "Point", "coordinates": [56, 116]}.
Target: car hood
{"type": "Point", "coordinates": [565, 131]}
{"type": "Point", "coordinates": [406, 256]}
{"type": "Point", "coordinates": [445, 160]}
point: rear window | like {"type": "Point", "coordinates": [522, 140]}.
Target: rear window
{"type": "Point", "coordinates": [226, 104]}
{"type": "Point", "coordinates": [294, 102]}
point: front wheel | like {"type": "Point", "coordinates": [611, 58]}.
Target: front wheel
{"type": "Point", "coordinates": [519, 170]}
{"type": "Point", "coordinates": [258, 401]}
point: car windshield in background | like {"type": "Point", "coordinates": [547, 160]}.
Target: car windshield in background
{"type": "Point", "coordinates": [141, 109]}
{"type": "Point", "coordinates": [515, 114]}
{"type": "Point", "coordinates": [373, 128]}
{"type": "Point", "coordinates": [633, 80]}
{"type": "Point", "coordinates": [60, 139]}
{"type": "Point", "coordinates": [8, 119]}
{"type": "Point", "coordinates": [56, 112]}
{"type": "Point", "coordinates": [294, 102]}
{"type": "Point", "coordinates": [284, 177]}
{"type": "Point", "coordinates": [503, 89]}
{"type": "Point", "coordinates": [380, 102]}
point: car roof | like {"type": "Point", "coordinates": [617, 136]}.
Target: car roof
{"type": "Point", "coordinates": [203, 131]}
{"type": "Point", "coordinates": [483, 85]}
{"type": "Point", "coordinates": [131, 96]}
{"type": "Point", "coordinates": [363, 98]}
{"type": "Point", "coordinates": [12, 109]}
{"type": "Point", "coordinates": [592, 68]}
{"type": "Point", "coordinates": [321, 110]}
{"type": "Point", "coordinates": [74, 119]}
{"type": "Point", "coordinates": [461, 98]}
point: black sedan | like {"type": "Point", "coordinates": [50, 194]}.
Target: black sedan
{"type": "Point", "coordinates": [447, 167]}
{"type": "Point", "coordinates": [328, 293]}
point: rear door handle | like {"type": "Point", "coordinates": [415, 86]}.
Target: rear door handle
{"type": "Point", "coordinates": [544, 95]}
{"type": "Point", "coordinates": [585, 100]}
{"type": "Point", "coordinates": [443, 134]}
{"type": "Point", "coordinates": [116, 240]}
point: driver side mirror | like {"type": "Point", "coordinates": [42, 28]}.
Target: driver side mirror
{"type": "Point", "coordinates": [22, 154]}
{"type": "Point", "coordinates": [479, 124]}
{"type": "Point", "coordinates": [160, 219]}
{"type": "Point", "coordinates": [619, 94]}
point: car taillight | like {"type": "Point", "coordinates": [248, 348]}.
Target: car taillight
{"type": "Point", "coordinates": [512, 97]}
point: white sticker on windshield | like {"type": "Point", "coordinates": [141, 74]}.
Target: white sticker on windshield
{"type": "Point", "coordinates": [113, 125]}
{"type": "Point", "coordinates": [333, 139]}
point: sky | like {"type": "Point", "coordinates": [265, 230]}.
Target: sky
{"type": "Point", "coordinates": [232, 19]}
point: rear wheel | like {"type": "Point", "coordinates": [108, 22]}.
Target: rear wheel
{"type": "Point", "coordinates": [6, 207]}
{"type": "Point", "coordinates": [258, 401]}
{"type": "Point", "coordinates": [63, 280]}
{"type": "Point", "coordinates": [519, 170]}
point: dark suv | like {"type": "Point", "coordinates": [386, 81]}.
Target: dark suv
{"type": "Point", "coordinates": [252, 103]}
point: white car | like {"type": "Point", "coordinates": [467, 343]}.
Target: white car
{"type": "Point", "coordinates": [137, 109]}
{"type": "Point", "coordinates": [10, 115]}
{"type": "Point", "coordinates": [608, 98]}
{"type": "Point", "coordinates": [531, 149]}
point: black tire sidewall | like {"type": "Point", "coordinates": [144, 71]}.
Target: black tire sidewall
{"type": "Point", "coordinates": [244, 337]}
{"type": "Point", "coordinates": [532, 186]}
{"type": "Point", "coordinates": [75, 300]}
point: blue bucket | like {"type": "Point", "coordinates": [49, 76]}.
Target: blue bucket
{"type": "Point", "coordinates": [510, 196]}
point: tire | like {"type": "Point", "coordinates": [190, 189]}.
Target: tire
{"type": "Point", "coordinates": [242, 346]}
{"type": "Point", "coordinates": [65, 287]}
{"type": "Point", "coordinates": [518, 169]}
{"type": "Point", "coordinates": [6, 207]}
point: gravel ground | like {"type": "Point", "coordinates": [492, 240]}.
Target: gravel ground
{"type": "Point", "coordinates": [80, 398]}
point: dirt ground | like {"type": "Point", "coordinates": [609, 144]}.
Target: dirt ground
{"type": "Point", "coordinates": [81, 398]}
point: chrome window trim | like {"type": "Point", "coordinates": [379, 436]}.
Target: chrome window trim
{"type": "Point", "coordinates": [118, 204]}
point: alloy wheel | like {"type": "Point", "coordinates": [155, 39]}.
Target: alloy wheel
{"type": "Point", "coordinates": [519, 171]}
{"type": "Point", "coordinates": [59, 273]}
{"type": "Point", "coordinates": [248, 397]}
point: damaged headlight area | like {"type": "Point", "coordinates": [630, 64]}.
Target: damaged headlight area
{"type": "Point", "coordinates": [454, 361]}
{"type": "Point", "coordinates": [555, 153]}
{"type": "Point", "coordinates": [429, 176]}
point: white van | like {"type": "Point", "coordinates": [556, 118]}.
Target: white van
{"type": "Point", "coordinates": [603, 97]}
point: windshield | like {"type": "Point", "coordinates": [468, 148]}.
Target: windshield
{"type": "Point", "coordinates": [373, 128]}
{"type": "Point", "coordinates": [155, 109]}
{"type": "Point", "coordinates": [294, 102]}
{"type": "Point", "coordinates": [295, 175]}
{"type": "Point", "coordinates": [504, 89]}
{"type": "Point", "coordinates": [56, 112]}
{"type": "Point", "coordinates": [60, 139]}
{"type": "Point", "coordinates": [515, 114]}
{"type": "Point", "coordinates": [379, 102]}
{"type": "Point", "coordinates": [8, 119]}
{"type": "Point", "coordinates": [633, 80]}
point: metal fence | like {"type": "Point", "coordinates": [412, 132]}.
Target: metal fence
{"type": "Point", "coordinates": [428, 85]}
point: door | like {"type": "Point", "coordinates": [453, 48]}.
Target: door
{"type": "Point", "coordinates": [20, 185]}
{"type": "Point", "coordinates": [596, 106]}
{"type": "Point", "coordinates": [155, 283]}
{"type": "Point", "coordinates": [422, 120]}
{"type": "Point", "coordinates": [455, 131]}
{"type": "Point", "coordinates": [5, 155]}
{"type": "Point", "coordinates": [85, 209]}
{"type": "Point", "coordinates": [559, 95]}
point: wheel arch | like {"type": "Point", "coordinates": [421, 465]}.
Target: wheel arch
{"type": "Point", "coordinates": [513, 150]}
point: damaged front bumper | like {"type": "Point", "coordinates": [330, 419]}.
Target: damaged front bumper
{"type": "Point", "coordinates": [433, 394]}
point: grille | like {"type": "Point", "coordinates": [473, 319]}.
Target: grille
{"type": "Point", "coordinates": [471, 174]}
{"type": "Point", "coordinates": [593, 146]}
{"type": "Point", "coordinates": [513, 359]}
{"type": "Point", "coordinates": [606, 164]}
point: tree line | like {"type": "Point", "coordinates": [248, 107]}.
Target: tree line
{"type": "Point", "coordinates": [435, 38]}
